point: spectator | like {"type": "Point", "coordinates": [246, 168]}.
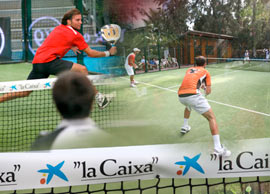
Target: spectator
{"type": "Point", "coordinates": [266, 53]}
{"type": "Point", "coordinates": [164, 63]}
{"type": "Point", "coordinates": [73, 94]}
{"type": "Point", "coordinates": [152, 64]}
{"type": "Point", "coordinates": [170, 63]}
{"type": "Point", "coordinates": [174, 61]}
{"type": "Point", "coordinates": [156, 61]}
{"type": "Point", "coordinates": [143, 62]}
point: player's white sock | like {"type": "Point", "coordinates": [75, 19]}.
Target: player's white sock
{"type": "Point", "coordinates": [185, 122]}
{"type": "Point", "coordinates": [217, 144]}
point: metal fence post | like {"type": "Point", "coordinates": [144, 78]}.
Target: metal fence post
{"type": "Point", "coordinates": [79, 6]}
{"type": "Point", "coordinates": [27, 35]}
{"type": "Point", "coordinates": [159, 58]}
{"type": "Point", "coordinates": [145, 52]}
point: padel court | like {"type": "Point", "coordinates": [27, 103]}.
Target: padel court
{"type": "Point", "coordinates": [152, 114]}
{"type": "Point", "coordinates": [240, 100]}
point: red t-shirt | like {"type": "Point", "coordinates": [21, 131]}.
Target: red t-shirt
{"type": "Point", "coordinates": [131, 58]}
{"type": "Point", "coordinates": [58, 43]}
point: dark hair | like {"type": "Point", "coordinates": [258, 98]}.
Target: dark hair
{"type": "Point", "coordinates": [69, 14]}
{"type": "Point", "coordinates": [200, 61]}
{"type": "Point", "coordinates": [73, 94]}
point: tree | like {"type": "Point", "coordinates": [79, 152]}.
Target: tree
{"type": "Point", "coordinates": [169, 22]}
{"type": "Point", "coordinates": [214, 16]}
{"type": "Point", "coordinates": [121, 12]}
{"type": "Point", "coordinates": [248, 21]}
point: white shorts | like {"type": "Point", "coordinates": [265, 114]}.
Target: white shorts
{"type": "Point", "coordinates": [246, 58]}
{"type": "Point", "coordinates": [129, 70]}
{"type": "Point", "coordinates": [196, 102]}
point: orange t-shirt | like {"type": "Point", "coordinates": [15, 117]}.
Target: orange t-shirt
{"type": "Point", "coordinates": [193, 79]}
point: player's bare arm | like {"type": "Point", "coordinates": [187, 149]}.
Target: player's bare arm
{"type": "Point", "coordinates": [208, 90]}
{"type": "Point", "coordinates": [93, 53]}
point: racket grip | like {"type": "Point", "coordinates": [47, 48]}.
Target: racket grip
{"type": "Point", "coordinates": [112, 45]}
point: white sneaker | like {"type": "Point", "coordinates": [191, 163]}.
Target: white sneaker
{"type": "Point", "coordinates": [185, 129]}
{"type": "Point", "coordinates": [222, 152]}
{"type": "Point", "coordinates": [133, 85]}
{"type": "Point", "coordinates": [102, 101]}
{"type": "Point", "coordinates": [136, 82]}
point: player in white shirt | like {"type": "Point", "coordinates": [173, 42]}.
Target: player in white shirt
{"type": "Point", "coordinates": [266, 53]}
{"type": "Point", "coordinates": [246, 57]}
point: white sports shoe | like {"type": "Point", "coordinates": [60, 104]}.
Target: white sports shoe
{"type": "Point", "coordinates": [222, 152]}
{"type": "Point", "coordinates": [185, 129]}
{"type": "Point", "coordinates": [136, 82]}
{"type": "Point", "coordinates": [133, 85]}
{"type": "Point", "coordinates": [102, 101]}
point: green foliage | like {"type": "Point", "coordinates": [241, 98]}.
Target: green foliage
{"type": "Point", "coordinates": [170, 21]}
{"type": "Point", "coordinates": [248, 21]}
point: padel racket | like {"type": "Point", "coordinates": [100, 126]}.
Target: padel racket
{"type": "Point", "coordinates": [111, 33]}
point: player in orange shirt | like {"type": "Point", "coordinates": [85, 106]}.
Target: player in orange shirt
{"type": "Point", "coordinates": [48, 58]}
{"type": "Point", "coordinates": [189, 95]}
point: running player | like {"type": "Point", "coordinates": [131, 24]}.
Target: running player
{"type": "Point", "coordinates": [48, 58]}
{"type": "Point", "coordinates": [130, 66]}
{"type": "Point", "coordinates": [190, 96]}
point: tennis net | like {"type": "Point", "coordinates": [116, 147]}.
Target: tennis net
{"type": "Point", "coordinates": [22, 119]}
{"type": "Point", "coordinates": [164, 186]}
{"type": "Point", "coordinates": [261, 65]}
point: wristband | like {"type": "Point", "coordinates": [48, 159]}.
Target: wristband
{"type": "Point", "coordinates": [107, 53]}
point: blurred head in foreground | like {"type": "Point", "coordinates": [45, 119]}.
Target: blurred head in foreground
{"type": "Point", "coordinates": [73, 94]}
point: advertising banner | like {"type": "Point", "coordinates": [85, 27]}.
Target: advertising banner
{"type": "Point", "coordinates": [36, 84]}
{"type": "Point", "coordinates": [59, 168]}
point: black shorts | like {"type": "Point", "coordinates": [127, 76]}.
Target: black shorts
{"type": "Point", "coordinates": [44, 70]}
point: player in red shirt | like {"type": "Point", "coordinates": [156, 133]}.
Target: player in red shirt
{"type": "Point", "coordinates": [48, 58]}
{"type": "Point", "coordinates": [130, 66]}
{"type": "Point", "coordinates": [190, 96]}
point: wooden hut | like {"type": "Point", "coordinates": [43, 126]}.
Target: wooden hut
{"type": "Point", "coordinates": [210, 45]}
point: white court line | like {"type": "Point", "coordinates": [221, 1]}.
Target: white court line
{"type": "Point", "coordinates": [224, 104]}
{"type": "Point", "coordinates": [174, 86]}
{"type": "Point", "coordinates": [237, 107]}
